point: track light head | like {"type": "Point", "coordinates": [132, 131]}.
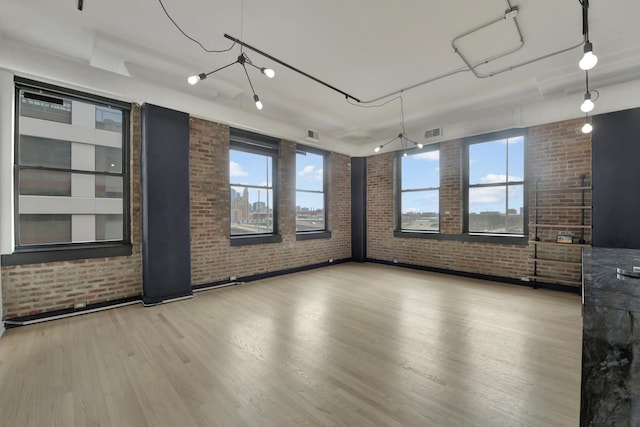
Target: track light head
{"type": "Point", "coordinates": [587, 127]}
{"type": "Point", "coordinates": [378, 148]}
{"type": "Point", "coordinates": [419, 145]}
{"type": "Point", "coordinates": [589, 60]}
{"type": "Point", "coordinates": [193, 80]}
{"type": "Point", "coordinates": [587, 105]}
{"type": "Point", "coordinates": [268, 72]}
{"type": "Point", "coordinates": [404, 154]}
{"type": "Point", "coordinates": [256, 99]}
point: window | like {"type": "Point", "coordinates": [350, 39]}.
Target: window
{"type": "Point", "coordinates": [70, 182]}
{"type": "Point", "coordinates": [253, 193]}
{"type": "Point", "coordinates": [419, 196]}
{"type": "Point", "coordinates": [495, 184]}
{"type": "Point", "coordinates": [310, 191]}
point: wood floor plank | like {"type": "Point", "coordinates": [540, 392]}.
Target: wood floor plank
{"type": "Point", "coordinates": [347, 345]}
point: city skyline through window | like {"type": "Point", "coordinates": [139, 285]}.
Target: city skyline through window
{"type": "Point", "coordinates": [251, 192]}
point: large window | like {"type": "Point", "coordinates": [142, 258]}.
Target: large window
{"type": "Point", "coordinates": [253, 195]}
{"type": "Point", "coordinates": [419, 196]}
{"type": "Point", "coordinates": [310, 191]}
{"type": "Point", "coordinates": [70, 181]}
{"type": "Point", "coordinates": [495, 184]}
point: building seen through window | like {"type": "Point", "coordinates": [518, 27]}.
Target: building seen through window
{"type": "Point", "coordinates": [70, 182]}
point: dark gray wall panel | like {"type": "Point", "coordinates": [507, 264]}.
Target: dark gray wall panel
{"type": "Point", "coordinates": [359, 208]}
{"type": "Point", "coordinates": [166, 242]}
{"type": "Point", "coordinates": [616, 179]}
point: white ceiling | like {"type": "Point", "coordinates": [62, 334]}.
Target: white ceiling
{"type": "Point", "coordinates": [367, 48]}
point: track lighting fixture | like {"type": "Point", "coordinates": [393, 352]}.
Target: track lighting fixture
{"type": "Point", "coordinates": [587, 105]}
{"type": "Point", "coordinates": [268, 72]}
{"type": "Point", "coordinates": [256, 99]}
{"type": "Point", "coordinates": [587, 127]}
{"type": "Point", "coordinates": [405, 141]}
{"type": "Point", "coordinates": [589, 60]}
{"type": "Point", "coordinates": [243, 60]}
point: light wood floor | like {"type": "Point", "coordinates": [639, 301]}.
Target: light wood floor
{"type": "Point", "coordinates": [348, 345]}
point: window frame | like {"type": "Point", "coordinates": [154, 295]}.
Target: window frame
{"type": "Point", "coordinates": [319, 233]}
{"type": "Point", "coordinates": [404, 232]}
{"type": "Point", "coordinates": [40, 253]}
{"type": "Point", "coordinates": [507, 238]}
{"type": "Point", "coordinates": [250, 142]}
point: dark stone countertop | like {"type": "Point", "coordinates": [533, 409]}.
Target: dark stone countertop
{"type": "Point", "coordinates": [611, 339]}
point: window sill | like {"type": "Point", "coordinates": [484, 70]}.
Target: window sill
{"type": "Point", "coordinates": [48, 254]}
{"type": "Point", "coordinates": [499, 239]}
{"type": "Point", "coordinates": [313, 235]}
{"type": "Point", "coordinates": [255, 239]}
{"type": "Point", "coordinates": [419, 234]}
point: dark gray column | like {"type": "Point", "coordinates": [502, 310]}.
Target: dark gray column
{"type": "Point", "coordinates": [166, 242]}
{"type": "Point", "coordinates": [616, 179]}
{"type": "Point", "coordinates": [359, 209]}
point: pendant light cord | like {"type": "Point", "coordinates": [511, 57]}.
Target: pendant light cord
{"type": "Point", "coordinates": [189, 37]}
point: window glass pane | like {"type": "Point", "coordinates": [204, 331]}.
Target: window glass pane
{"type": "Point", "coordinates": [309, 211]}
{"type": "Point", "coordinates": [515, 210]}
{"type": "Point", "coordinates": [44, 183]}
{"type": "Point", "coordinates": [250, 168]}
{"type": "Point", "coordinates": [109, 186]}
{"type": "Point", "coordinates": [421, 170]}
{"type": "Point", "coordinates": [108, 159]}
{"type": "Point", "coordinates": [251, 196]}
{"type": "Point", "coordinates": [516, 159]}
{"type": "Point", "coordinates": [251, 210]}
{"type": "Point", "coordinates": [309, 172]}
{"type": "Point", "coordinates": [45, 168]}
{"type": "Point", "coordinates": [48, 153]}
{"type": "Point", "coordinates": [420, 210]}
{"type": "Point", "coordinates": [488, 162]}
{"type": "Point", "coordinates": [487, 209]}
{"type": "Point", "coordinates": [48, 107]}
{"type": "Point", "coordinates": [108, 119]}
{"type": "Point", "coordinates": [109, 227]}
{"type": "Point", "coordinates": [42, 229]}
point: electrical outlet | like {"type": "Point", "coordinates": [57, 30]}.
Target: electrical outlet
{"type": "Point", "coordinates": [330, 260]}
{"type": "Point", "coordinates": [232, 278]}
{"type": "Point", "coordinates": [395, 261]}
{"type": "Point", "coordinates": [525, 279]}
{"type": "Point", "coordinates": [79, 304]}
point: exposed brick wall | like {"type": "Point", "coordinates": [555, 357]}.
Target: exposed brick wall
{"type": "Point", "coordinates": [558, 153]}
{"type": "Point", "coordinates": [213, 257]}
{"type": "Point", "coordinates": [451, 187]}
{"type": "Point", "coordinates": [37, 288]}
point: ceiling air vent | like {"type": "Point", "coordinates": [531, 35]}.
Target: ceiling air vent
{"type": "Point", "coordinates": [432, 133]}
{"type": "Point", "coordinates": [312, 135]}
